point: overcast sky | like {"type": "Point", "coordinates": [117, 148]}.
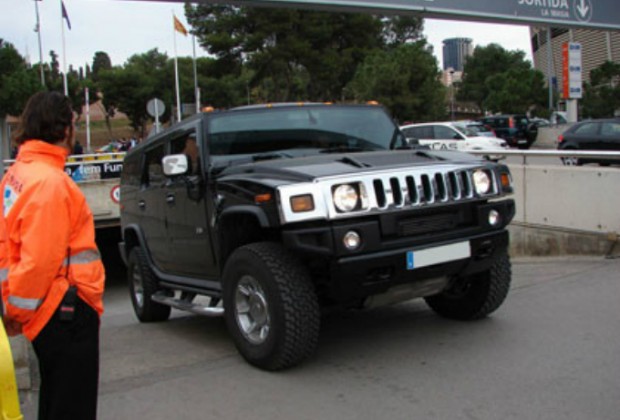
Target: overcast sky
{"type": "Point", "coordinates": [123, 28]}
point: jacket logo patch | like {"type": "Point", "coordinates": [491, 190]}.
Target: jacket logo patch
{"type": "Point", "coordinates": [10, 196]}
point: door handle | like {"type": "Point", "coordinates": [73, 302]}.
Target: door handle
{"type": "Point", "coordinates": [142, 204]}
{"type": "Point", "coordinates": [170, 199]}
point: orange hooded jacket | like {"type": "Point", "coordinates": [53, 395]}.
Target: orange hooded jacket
{"type": "Point", "coordinates": [47, 239]}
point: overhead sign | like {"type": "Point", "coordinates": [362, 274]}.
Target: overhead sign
{"type": "Point", "coordinates": [595, 14]}
{"type": "Point", "coordinates": [572, 70]}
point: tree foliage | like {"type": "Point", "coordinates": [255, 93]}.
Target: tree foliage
{"type": "Point", "coordinates": [129, 88]}
{"type": "Point", "coordinates": [405, 80]}
{"type": "Point", "coordinates": [101, 61]}
{"type": "Point", "coordinates": [515, 90]}
{"type": "Point", "coordinates": [486, 63]}
{"type": "Point", "coordinates": [17, 81]}
{"type": "Point", "coordinates": [294, 54]}
{"type": "Point", "coordinates": [602, 95]}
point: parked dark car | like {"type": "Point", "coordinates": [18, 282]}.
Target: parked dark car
{"type": "Point", "coordinates": [593, 135]}
{"type": "Point", "coordinates": [516, 129]}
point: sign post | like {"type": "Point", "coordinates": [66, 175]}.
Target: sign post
{"type": "Point", "coordinates": [156, 108]}
{"type": "Point", "coordinates": [572, 76]}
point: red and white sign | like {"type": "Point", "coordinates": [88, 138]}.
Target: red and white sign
{"type": "Point", "coordinates": [571, 70]}
{"type": "Point", "coordinates": [115, 194]}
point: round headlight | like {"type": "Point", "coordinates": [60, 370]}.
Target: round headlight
{"type": "Point", "coordinates": [494, 218]}
{"type": "Point", "coordinates": [482, 182]}
{"type": "Point", "coordinates": [352, 240]}
{"type": "Point", "coordinates": [345, 197]}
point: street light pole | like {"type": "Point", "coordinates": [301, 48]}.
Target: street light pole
{"type": "Point", "coordinates": [451, 94]}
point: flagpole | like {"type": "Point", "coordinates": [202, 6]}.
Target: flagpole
{"type": "Point", "coordinates": [64, 54]}
{"type": "Point", "coordinates": [176, 71]}
{"type": "Point", "coordinates": [196, 90]}
{"type": "Point", "coordinates": [87, 101]}
{"type": "Point", "coordinates": [38, 30]}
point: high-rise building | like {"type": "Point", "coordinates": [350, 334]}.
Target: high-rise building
{"type": "Point", "coordinates": [455, 52]}
{"type": "Point", "coordinates": [596, 47]}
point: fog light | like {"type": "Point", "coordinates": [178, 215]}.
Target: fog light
{"type": "Point", "coordinates": [352, 240]}
{"type": "Point", "coordinates": [494, 218]}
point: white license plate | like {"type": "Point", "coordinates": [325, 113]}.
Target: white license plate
{"type": "Point", "coordinates": [438, 255]}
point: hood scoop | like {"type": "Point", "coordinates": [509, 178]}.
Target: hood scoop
{"type": "Point", "coordinates": [349, 160]}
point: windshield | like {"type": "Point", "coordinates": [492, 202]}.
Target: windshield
{"type": "Point", "coordinates": [466, 130]}
{"type": "Point", "coordinates": [323, 128]}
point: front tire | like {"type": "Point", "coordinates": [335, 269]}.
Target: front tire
{"type": "Point", "coordinates": [475, 296]}
{"type": "Point", "coordinates": [142, 285]}
{"type": "Point", "coordinates": [271, 308]}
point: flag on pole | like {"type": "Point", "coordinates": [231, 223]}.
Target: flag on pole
{"type": "Point", "coordinates": [178, 26]}
{"type": "Point", "coordinates": [64, 14]}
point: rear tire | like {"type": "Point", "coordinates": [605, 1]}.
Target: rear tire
{"type": "Point", "coordinates": [271, 308]}
{"type": "Point", "coordinates": [475, 296]}
{"type": "Point", "coordinates": [142, 285]}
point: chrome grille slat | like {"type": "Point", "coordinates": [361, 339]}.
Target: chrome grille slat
{"type": "Point", "coordinates": [405, 188]}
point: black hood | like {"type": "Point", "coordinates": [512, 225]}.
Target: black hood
{"type": "Point", "coordinates": [306, 169]}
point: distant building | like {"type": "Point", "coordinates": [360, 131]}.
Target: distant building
{"type": "Point", "coordinates": [596, 48]}
{"type": "Point", "coordinates": [449, 76]}
{"type": "Point", "coordinates": [455, 52]}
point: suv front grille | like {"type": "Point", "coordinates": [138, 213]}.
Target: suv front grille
{"type": "Point", "coordinates": [422, 189]}
{"type": "Point", "coordinates": [426, 224]}
{"type": "Point", "coordinates": [384, 191]}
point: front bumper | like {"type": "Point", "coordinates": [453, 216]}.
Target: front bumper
{"type": "Point", "coordinates": [354, 278]}
{"type": "Point", "coordinates": [381, 261]}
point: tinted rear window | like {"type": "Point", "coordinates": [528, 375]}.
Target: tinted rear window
{"type": "Point", "coordinates": [587, 128]}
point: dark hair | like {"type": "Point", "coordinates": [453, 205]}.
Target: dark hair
{"type": "Point", "coordinates": [46, 117]}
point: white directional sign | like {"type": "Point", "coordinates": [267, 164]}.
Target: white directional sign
{"type": "Point", "coordinates": [595, 14]}
{"type": "Point", "coordinates": [572, 70]}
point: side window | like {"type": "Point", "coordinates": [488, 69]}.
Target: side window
{"type": "Point", "coordinates": [610, 129]}
{"type": "Point", "coordinates": [446, 133]}
{"type": "Point", "coordinates": [409, 132]}
{"type": "Point", "coordinates": [131, 172]}
{"type": "Point", "coordinates": [154, 173]}
{"type": "Point", "coordinates": [587, 129]}
{"type": "Point", "coordinates": [424, 132]}
{"type": "Point", "coordinates": [188, 145]}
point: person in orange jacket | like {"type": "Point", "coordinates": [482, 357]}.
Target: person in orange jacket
{"type": "Point", "coordinates": [51, 272]}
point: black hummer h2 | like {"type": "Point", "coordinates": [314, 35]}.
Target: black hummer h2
{"type": "Point", "coordinates": [269, 214]}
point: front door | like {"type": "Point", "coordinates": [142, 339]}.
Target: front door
{"type": "Point", "coordinates": [189, 241]}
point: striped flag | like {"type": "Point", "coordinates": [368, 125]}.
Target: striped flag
{"type": "Point", "coordinates": [64, 14]}
{"type": "Point", "coordinates": [178, 26]}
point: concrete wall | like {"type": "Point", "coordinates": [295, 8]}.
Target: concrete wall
{"type": "Point", "coordinates": [582, 199]}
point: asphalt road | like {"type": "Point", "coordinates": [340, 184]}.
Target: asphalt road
{"type": "Point", "coordinates": [550, 352]}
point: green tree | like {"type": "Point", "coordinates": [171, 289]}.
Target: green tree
{"type": "Point", "coordinates": [101, 61]}
{"type": "Point", "coordinates": [485, 63]}
{"type": "Point", "coordinates": [294, 54]}
{"type": "Point", "coordinates": [515, 90]}
{"type": "Point", "coordinates": [17, 81]}
{"type": "Point", "coordinates": [405, 80]}
{"type": "Point", "coordinates": [602, 95]}
{"type": "Point", "coordinates": [129, 88]}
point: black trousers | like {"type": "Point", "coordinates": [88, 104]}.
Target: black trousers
{"type": "Point", "coordinates": [68, 353]}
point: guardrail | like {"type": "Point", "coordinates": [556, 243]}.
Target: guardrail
{"type": "Point", "coordinates": [525, 154]}
{"type": "Point", "coordinates": [583, 198]}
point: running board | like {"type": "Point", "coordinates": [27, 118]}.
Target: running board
{"type": "Point", "coordinates": [184, 305]}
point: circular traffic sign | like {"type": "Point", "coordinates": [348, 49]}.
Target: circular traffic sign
{"type": "Point", "coordinates": [115, 194]}
{"type": "Point", "coordinates": [155, 107]}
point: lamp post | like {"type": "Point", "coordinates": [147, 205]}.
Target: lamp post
{"type": "Point", "coordinates": [451, 94]}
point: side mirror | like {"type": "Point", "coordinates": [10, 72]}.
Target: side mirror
{"type": "Point", "coordinates": [175, 165]}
